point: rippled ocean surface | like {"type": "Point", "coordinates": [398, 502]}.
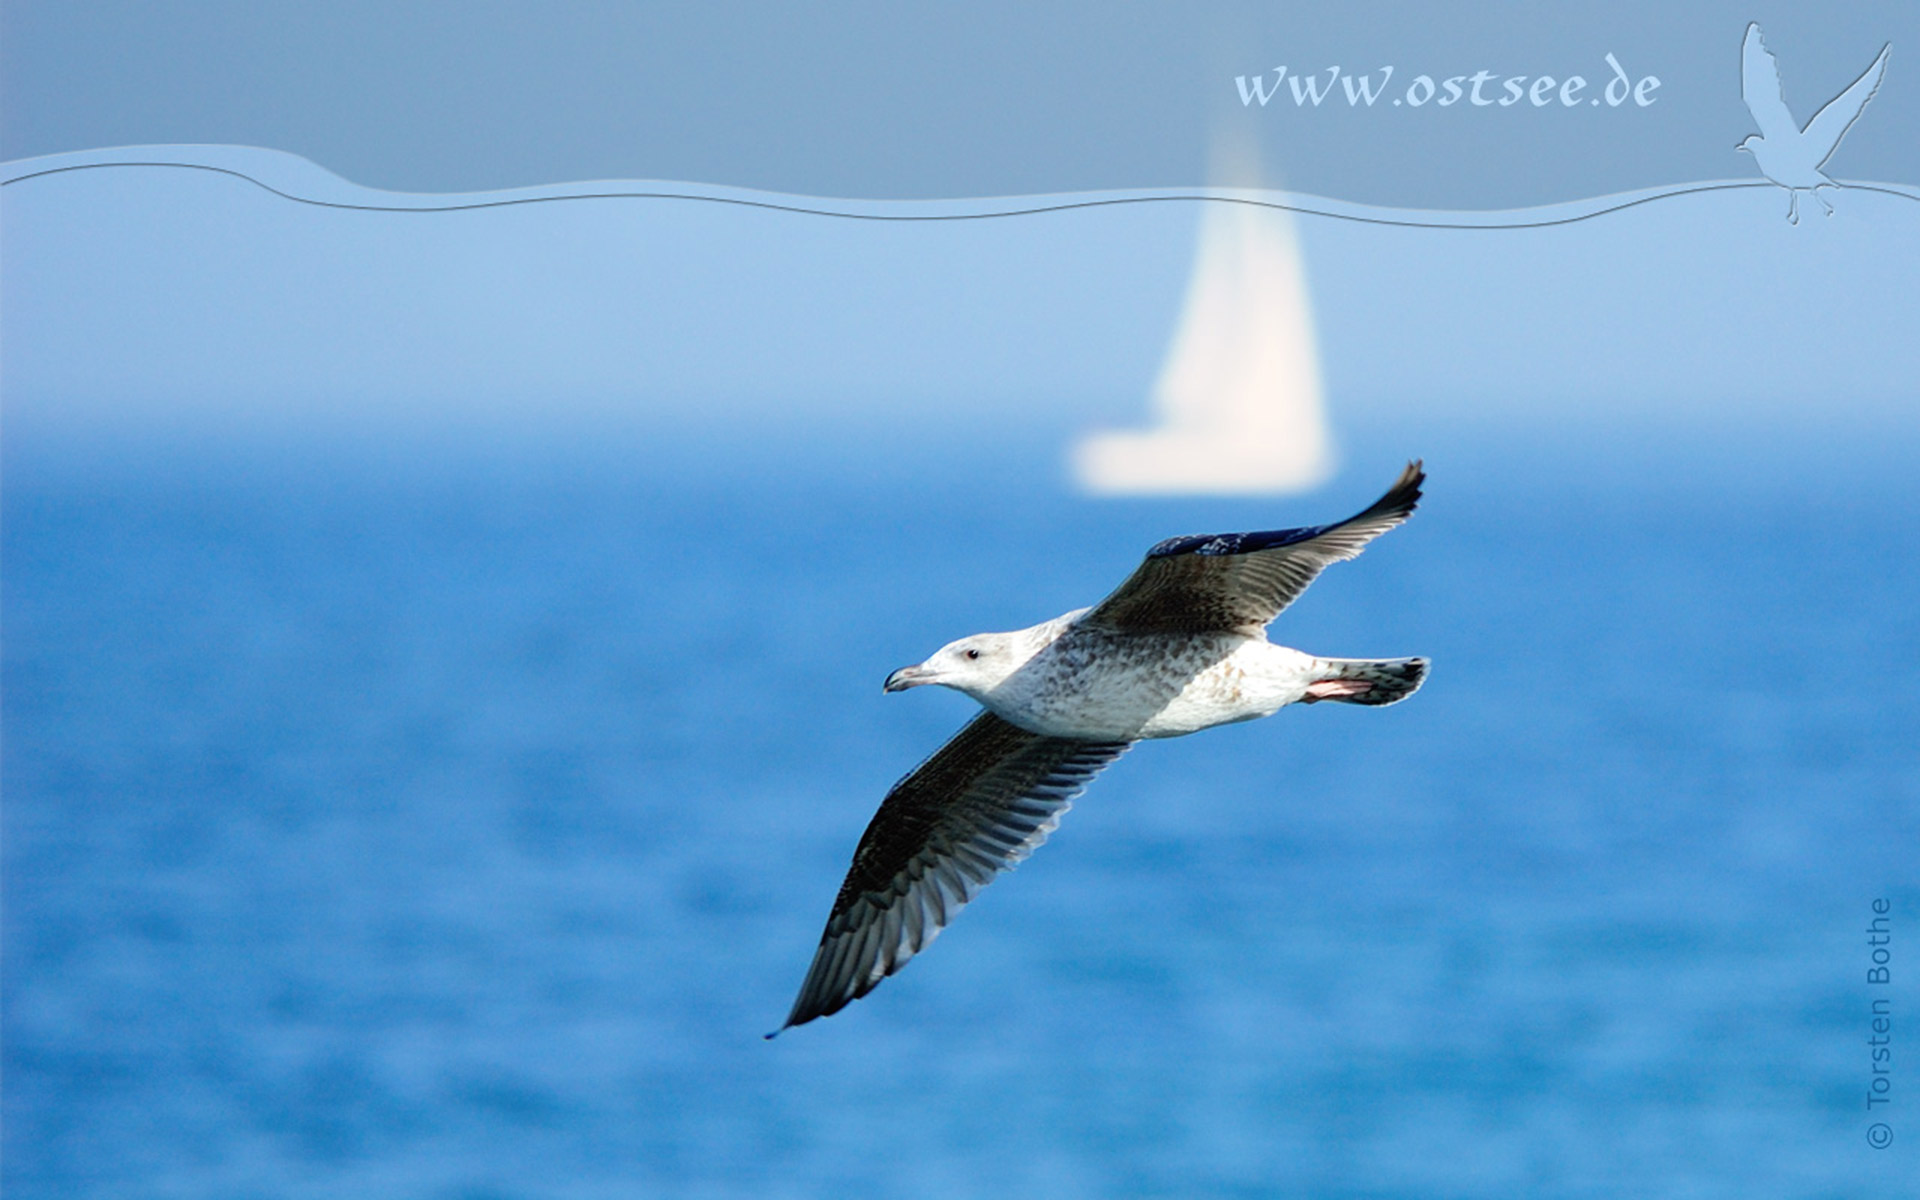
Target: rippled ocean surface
{"type": "Point", "coordinates": [387, 831]}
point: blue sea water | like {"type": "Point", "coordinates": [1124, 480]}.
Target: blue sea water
{"type": "Point", "coordinates": [386, 830]}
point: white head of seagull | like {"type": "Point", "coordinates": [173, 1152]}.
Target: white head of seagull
{"type": "Point", "coordinates": [976, 666]}
{"type": "Point", "coordinates": [1180, 646]}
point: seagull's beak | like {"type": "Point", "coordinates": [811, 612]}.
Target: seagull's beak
{"type": "Point", "coordinates": [907, 677]}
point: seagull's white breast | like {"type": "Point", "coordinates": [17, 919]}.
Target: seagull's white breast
{"type": "Point", "coordinates": [1101, 685]}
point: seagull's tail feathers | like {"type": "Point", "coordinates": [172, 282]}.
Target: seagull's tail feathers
{"type": "Point", "coordinates": [1370, 681]}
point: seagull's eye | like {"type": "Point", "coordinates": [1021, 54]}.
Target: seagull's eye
{"type": "Point", "coordinates": [973, 653]}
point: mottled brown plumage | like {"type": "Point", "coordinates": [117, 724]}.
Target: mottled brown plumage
{"type": "Point", "coordinates": [982, 803]}
{"type": "Point", "coordinates": [1241, 581]}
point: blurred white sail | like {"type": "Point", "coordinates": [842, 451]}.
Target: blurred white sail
{"type": "Point", "coordinates": [1239, 395]}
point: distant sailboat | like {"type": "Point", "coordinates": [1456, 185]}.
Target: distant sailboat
{"type": "Point", "coordinates": [1239, 395]}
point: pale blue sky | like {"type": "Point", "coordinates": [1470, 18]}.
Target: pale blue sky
{"type": "Point", "coordinates": [147, 299]}
{"type": "Point", "coordinates": [143, 301]}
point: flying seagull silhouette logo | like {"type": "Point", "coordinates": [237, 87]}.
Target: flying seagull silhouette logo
{"type": "Point", "coordinates": [1787, 154]}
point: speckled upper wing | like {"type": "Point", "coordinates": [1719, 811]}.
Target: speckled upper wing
{"type": "Point", "coordinates": [981, 804]}
{"type": "Point", "coordinates": [1241, 581]}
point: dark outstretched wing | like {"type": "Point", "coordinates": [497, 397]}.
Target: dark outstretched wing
{"type": "Point", "coordinates": [1241, 581]}
{"type": "Point", "coordinates": [1760, 87]}
{"type": "Point", "coordinates": [1831, 123]}
{"type": "Point", "coordinates": [978, 806]}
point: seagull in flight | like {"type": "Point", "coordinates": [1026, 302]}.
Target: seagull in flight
{"type": "Point", "coordinates": [1179, 647]}
{"type": "Point", "coordinates": [1787, 154]}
